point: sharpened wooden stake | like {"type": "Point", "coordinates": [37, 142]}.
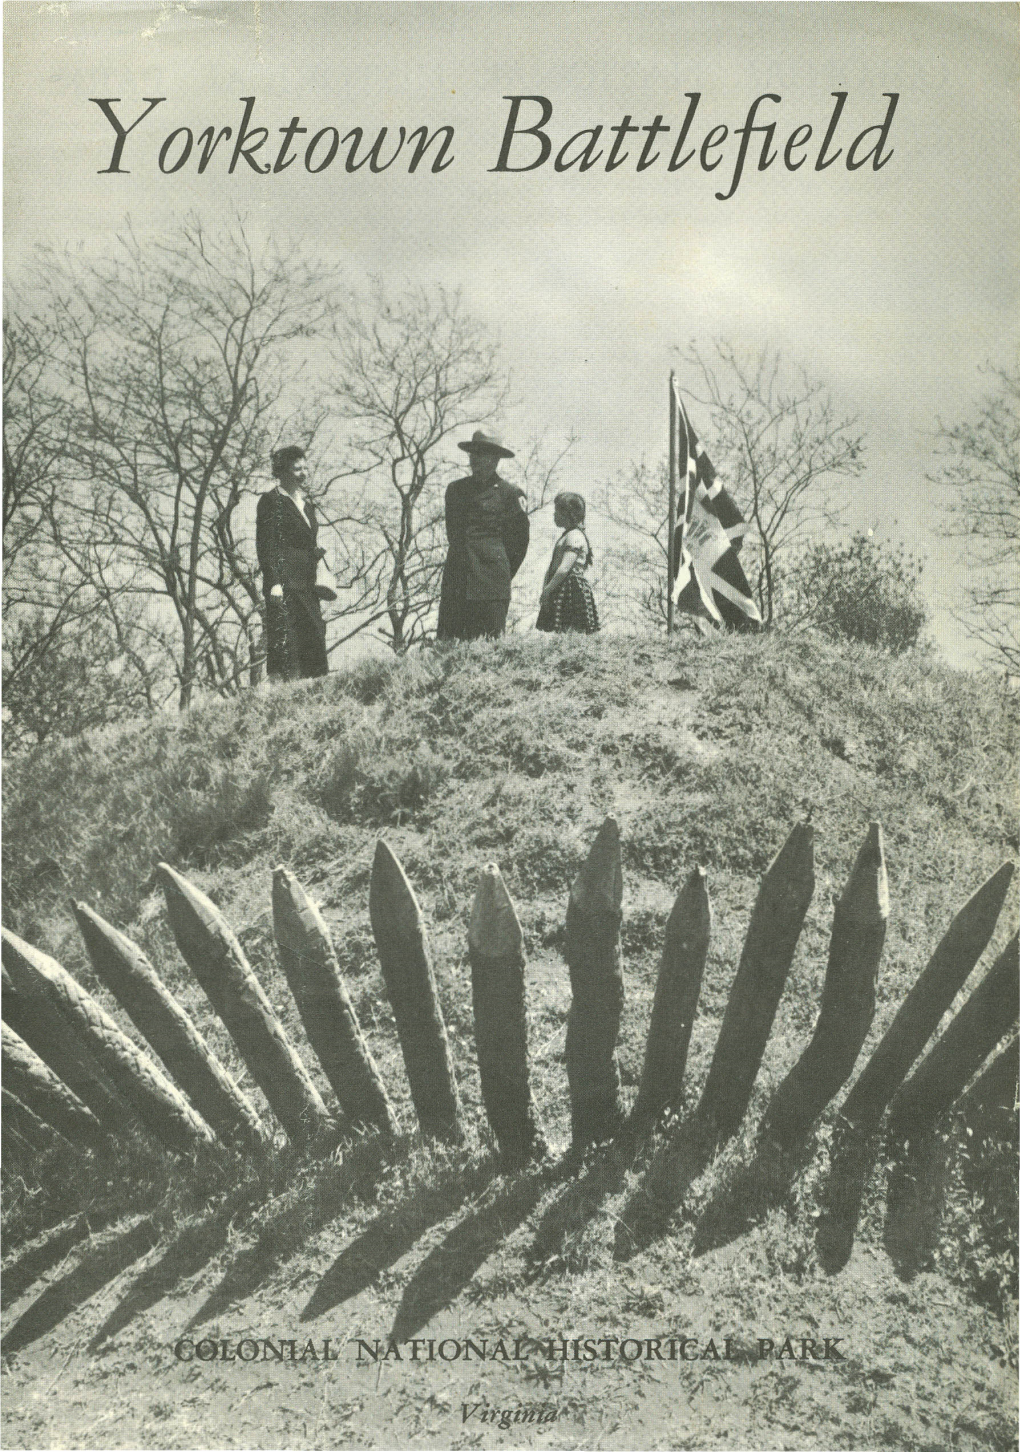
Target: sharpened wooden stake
{"type": "Point", "coordinates": [848, 999]}
{"type": "Point", "coordinates": [772, 934]}
{"type": "Point", "coordinates": [32, 1081]}
{"type": "Point", "coordinates": [133, 981]}
{"type": "Point", "coordinates": [217, 960]}
{"type": "Point", "coordinates": [855, 1144]}
{"type": "Point", "coordinates": [966, 938]}
{"type": "Point", "coordinates": [40, 1025]}
{"type": "Point", "coordinates": [496, 954]}
{"type": "Point", "coordinates": [987, 1016]}
{"type": "Point", "coordinates": [592, 951]}
{"type": "Point", "coordinates": [309, 962]}
{"type": "Point", "coordinates": [164, 1112]}
{"type": "Point", "coordinates": [684, 950]}
{"type": "Point", "coordinates": [406, 962]}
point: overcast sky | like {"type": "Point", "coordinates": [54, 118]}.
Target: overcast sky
{"type": "Point", "coordinates": [893, 287]}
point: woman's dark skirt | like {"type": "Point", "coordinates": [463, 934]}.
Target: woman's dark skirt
{"type": "Point", "coordinates": [296, 637]}
{"type": "Point", "coordinates": [571, 608]}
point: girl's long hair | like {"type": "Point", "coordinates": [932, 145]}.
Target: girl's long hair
{"type": "Point", "coordinates": [574, 508]}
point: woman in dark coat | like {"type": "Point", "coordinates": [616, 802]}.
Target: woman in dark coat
{"type": "Point", "coordinates": [285, 541]}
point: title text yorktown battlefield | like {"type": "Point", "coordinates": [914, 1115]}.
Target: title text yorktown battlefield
{"type": "Point", "coordinates": [532, 137]}
{"type": "Point", "coordinates": [783, 1347]}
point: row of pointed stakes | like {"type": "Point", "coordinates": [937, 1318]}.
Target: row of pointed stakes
{"type": "Point", "coordinates": [67, 1064]}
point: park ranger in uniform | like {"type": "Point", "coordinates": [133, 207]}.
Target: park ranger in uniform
{"type": "Point", "coordinates": [487, 527]}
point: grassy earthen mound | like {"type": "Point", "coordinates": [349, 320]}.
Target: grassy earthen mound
{"type": "Point", "coordinates": [706, 754]}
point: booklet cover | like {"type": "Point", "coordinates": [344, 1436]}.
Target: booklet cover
{"type": "Point", "coordinates": [510, 658]}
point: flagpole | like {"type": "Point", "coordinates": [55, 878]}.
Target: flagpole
{"type": "Point", "coordinates": [671, 527]}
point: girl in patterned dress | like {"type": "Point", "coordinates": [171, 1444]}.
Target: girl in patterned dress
{"type": "Point", "coordinates": [567, 600]}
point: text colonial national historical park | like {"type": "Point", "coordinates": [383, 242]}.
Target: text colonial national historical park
{"type": "Point", "coordinates": [534, 138]}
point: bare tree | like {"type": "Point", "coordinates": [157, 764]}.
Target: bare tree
{"type": "Point", "coordinates": [34, 434]}
{"type": "Point", "coordinates": [409, 370]}
{"type": "Point", "coordinates": [90, 671]}
{"type": "Point", "coordinates": [34, 446]}
{"type": "Point", "coordinates": [536, 468]}
{"type": "Point", "coordinates": [178, 362]}
{"type": "Point", "coordinates": [779, 444]}
{"type": "Point", "coordinates": [981, 477]}
{"type": "Point", "coordinates": [782, 445]}
{"type": "Point", "coordinates": [170, 368]}
{"type": "Point", "coordinates": [634, 587]}
{"type": "Point", "coordinates": [72, 656]}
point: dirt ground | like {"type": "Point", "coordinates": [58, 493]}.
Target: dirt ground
{"type": "Point", "coordinates": [898, 1382]}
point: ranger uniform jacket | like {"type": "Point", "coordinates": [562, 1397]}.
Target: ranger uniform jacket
{"type": "Point", "coordinates": [488, 530]}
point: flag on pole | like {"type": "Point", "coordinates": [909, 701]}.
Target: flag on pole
{"type": "Point", "coordinates": [708, 577]}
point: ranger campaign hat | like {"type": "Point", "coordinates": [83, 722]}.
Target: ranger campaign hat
{"type": "Point", "coordinates": [482, 443]}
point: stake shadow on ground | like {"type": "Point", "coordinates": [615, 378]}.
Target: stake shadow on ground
{"type": "Point", "coordinates": [852, 1165]}
{"type": "Point", "coordinates": [753, 1190]}
{"type": "Point", "coordinates": [51, 1248]}
{"type": "Point", "coordinates": [448, 1269]}
{"type": "Point", "coordinates": [192, 1249]}
{"type": "Point", "coordinates": [99, 1266]}
{"type": "Point", "coordinates": [321, 1201]}
{"type": "Point", "coordinates": [392, 1234]}
{"type": "Point", "coordinates": [916, 1194]}
{"type": "Point", "coordinates": [576, 1205]}
{"type": "Point", "coordinates": [672, 1170]}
